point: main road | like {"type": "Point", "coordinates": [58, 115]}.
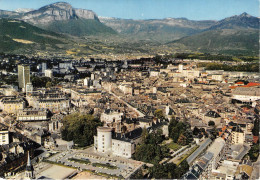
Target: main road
{"type": "Point", "coordinates": [140, 114]}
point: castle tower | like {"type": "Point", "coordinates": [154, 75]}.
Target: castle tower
{"type": "Point", "coordinates": [104, 139]}
{"type": "Point", "coordinates": [29, 174]}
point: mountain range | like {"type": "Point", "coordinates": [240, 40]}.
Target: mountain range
{"type": "Point", "coordinates": [232, 35]}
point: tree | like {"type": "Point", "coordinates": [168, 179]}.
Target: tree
{"type": "Point", "coordinates": [48, 84]}
{"type": "Point", "coordinates": [214, 133]}
{"type": "Point", "coordinates": [255, 130]}
{"type": "Point", "coordinates": [254, 152]}
{"type": "Point", "coordinates": [211, 123]}
{"type": "Point", "coordinates": [138, 174]}
{"type": "Point", "coordinates": [150, 149]}
{"type": "Point", "coordinates": [144, 135]}
{"type": "Point", "coordinates": [181, 169]}
{"type": "Point", "coordinates": [179, 128]}
{"type": "Point", "coordinates": [182, 140]}
{"type": "Point", "coordinates": [168, 170]}
{"type": "Point", "coordinates": [159, 113]}
{"type": "Point", "coordinates": [163, 171]}
{"type": "Point", "coordinates": [196, 131]}
{"type": "Point", "coordinates": [40, 81]}
{"type": "Point", "coordinates": [80, 128]}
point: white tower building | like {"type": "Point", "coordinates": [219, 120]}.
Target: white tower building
{"type": "Point", "coordinates": [103, 140]}
{"type": "Point", "coordinates": [180, 67]}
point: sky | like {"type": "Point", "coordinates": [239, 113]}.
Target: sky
{"type": "Point", "coordinates": [151, 9]}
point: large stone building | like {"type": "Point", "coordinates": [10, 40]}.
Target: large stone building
{"type": "Point", "coordinates": [12, 104]}
{"type": "Point", "coordinates": [118, 144]}
{"type": "Point", "coordinates": [246, 94]}
{"type": "Point", "coordinates": [32, 114]}
{"type": "Point", "coordinates": [53, 99]}
{"type": "Point", "coordinates": [110, 116]}
{"type": "Point", "coordinates": [56, 123]}
{"type": "Point", "coordinates": [55, 105]}
{"type": "Point", "coordinates": [83, 97]}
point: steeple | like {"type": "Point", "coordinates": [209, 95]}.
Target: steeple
{"type": "Point", "coordinates": [29, 174]}
{"type": "Point", "coordinates": [29, 164]}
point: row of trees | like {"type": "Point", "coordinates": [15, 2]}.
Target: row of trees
{"type": "Point", "coordinates": [9, 79]}
{"type": "Point", "coordinates": [255, 149]}
{"type": "Point", "coordinates": [40, 81]}
{"type": "Point", "coordinates": [44, 81]}
{"type": "Point", "coordinates": [255, 130]}
{"type": "Point", "coordinates": [250, 67]}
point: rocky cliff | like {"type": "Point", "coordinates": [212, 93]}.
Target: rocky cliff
{"type": "Point", "coordinates": [57, 12]}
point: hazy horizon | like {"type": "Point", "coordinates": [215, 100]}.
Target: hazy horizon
{"type": "Point", "coordinates": [151, 9]}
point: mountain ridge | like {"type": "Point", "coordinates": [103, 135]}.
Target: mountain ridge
{"type": "Point", "coordinates": [242, 21]}
{"type": "Point", "coordinates": [86, 22]}
{"type": "Point", "coordinates": [61, 17]}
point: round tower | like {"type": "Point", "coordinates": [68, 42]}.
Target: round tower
{"type": "Point", "coordinates": [104, 139]}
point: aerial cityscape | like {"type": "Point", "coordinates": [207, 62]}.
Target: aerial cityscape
{"type": "Point", "coordinates": [138, 89]}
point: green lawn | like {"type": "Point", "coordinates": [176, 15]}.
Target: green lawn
{"type": "Point", "coordinates": [108, 166]}
{"type": "Point", "coordinates": [82, 161]}
{"type": "Point", "coordinates": [174, 146]}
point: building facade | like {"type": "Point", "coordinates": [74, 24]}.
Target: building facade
{"type": "Point", "coordinates": [32, 114]}
{"type": "Point", "coordinates": [48, 73]}
{"type": "Point", "coordinates": [118, 144]}
{"type": "Point", "coordinates": [12, 104]}
{"type": "Point", "coordinates": [23, 76]}
{"type": "Point", "coordinates": [4, 136]}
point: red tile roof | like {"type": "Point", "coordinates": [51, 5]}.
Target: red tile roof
{"type": "Point", "coordinates": [239, 82]}
{"type": "Point", "coordinates": [251, 84]}
{"type": "Point", "coordinates": [255, 139]}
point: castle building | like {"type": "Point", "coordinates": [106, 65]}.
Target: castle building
{"type": "Point", "coordinates": [117, 144]}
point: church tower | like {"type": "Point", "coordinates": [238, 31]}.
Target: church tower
{"type": "Point", "coordinates": [29, 174]}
